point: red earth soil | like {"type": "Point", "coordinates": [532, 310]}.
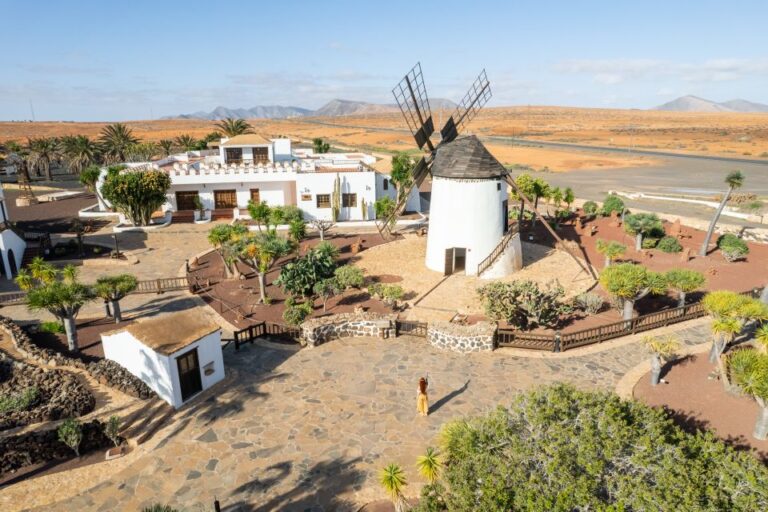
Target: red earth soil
{"type": "Point", "coordinates": [237, 300]}
{"type": "Point", "coordinates": [89, 338]}
{"type": "Point", "coordinates": [697, 402]}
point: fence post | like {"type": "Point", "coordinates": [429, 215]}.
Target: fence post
{"type": "Point", "coordinates": [159, 289]}
{"type": "Point", "coordinates": [557, 342]}
{"type": "Point", "coordinates": [186, 265]}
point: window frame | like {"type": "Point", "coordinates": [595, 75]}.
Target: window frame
{"type": "Point", "coordinates": [324, 205]}
{"type": "Point", "coordinates": [345, 200]}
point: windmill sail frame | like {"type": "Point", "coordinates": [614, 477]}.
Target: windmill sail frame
{"type": "Point", "coordinates": [411, 96]}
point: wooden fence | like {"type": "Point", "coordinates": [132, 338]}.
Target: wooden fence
{"type": "Point", "coordinates": [412, 328]}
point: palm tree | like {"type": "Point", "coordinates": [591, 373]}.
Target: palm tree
{"type": "Point", "coordinates": [611, 250]}
{"type": "Point", "coordinates": [167, 146]}
{"type": "Point", "coordinates": [662, 348]}
{"type": "Point", "coordinates": [116, 141]}
{"type": "Point", "coordinates": [260, 253]}
{"type": "Point", "coordinates": [37, 273]}
{"type": "Point", "coordinates": [186, 142]}
{"type": "Point", "coordinates": [393, 480]}
{"type": "Point", "coordinates": [231, 127]}
{"type": "Point", "coordinates": [42, 151]}
{"type": "Point", "coordinates": [79, 152]}
{"type": "Point", "coordinates": [429, 465]}
{"type": "Point", "coordinates": [63, 298]}
{"type": "Point", "coordinates": [734, 180]}
{"type": "Point", "coordinates": [749, 371]}
{"type": "Point", "coordinates": [114, 289]}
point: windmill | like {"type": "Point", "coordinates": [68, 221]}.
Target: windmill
{"type": "Point", "coordinates": [468, 227]}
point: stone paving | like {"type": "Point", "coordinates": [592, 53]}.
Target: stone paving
{"type": "Point", "coordinates": [310, 429]}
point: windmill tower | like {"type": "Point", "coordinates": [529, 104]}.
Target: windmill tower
{"type": "Point", "coordinates": [468, 222]}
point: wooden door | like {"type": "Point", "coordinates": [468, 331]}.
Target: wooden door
{"type": "Point", "coordinates": [224, 199]}
{"type": "Point", "coordinates": [185, 200]}
{"type": "Point", "coordinates": [255, 196]}
{"type": "Point", "coordinates": [448, 262]}
{"type": "Point", "coordinates": [190, 381]}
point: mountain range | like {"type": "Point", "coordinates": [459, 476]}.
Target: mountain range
{"type": "Point", "coordinates": [333, 108]}
{"type": "Point", "coordinates": [695, 104]}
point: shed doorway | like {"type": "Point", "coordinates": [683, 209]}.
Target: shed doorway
{"type": "Point", "coordinates": [189, 374]}
{"type": "Point", "coordinates": [455, 260]}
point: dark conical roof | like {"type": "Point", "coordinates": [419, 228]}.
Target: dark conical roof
{"type": "Point", "coordinates": [467, 158]}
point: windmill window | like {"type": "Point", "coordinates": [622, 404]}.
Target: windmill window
{"type": "Point", "coordinates": [386, 184]}
{"type": "Point", "coordinates": [323, 200]}
{"type": "Point", "coordinates": [498, 186]}
{"type": "Point", "coordinates": [348, 200]}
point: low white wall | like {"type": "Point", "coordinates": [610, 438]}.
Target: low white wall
{"type": "Point", "coordinates": [311, 184]}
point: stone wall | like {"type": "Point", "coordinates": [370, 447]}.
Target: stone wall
{"type": "Point", "coordinates": [106, 372]}
{"type": "Point", "coordinates": [462, 338]}
{"type": "Point", "coordinates": [60, 394]}
{"type": "Point", "coordinates": [347, 325]}
{"type": "Point", "coordinates": [43, 446]}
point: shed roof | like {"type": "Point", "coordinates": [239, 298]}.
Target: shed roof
{"type": "Point", "coordinates": [247, 139]}
{"type": "Point", "coordinates": [170, 333]}
{"type": "Point", "coordinates": [467, 158]}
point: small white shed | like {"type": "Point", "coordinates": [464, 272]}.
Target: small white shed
{"type": "Point", "coordinates": [177, 355]}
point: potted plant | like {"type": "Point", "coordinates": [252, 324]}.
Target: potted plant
{"type": "Point", "coordinates": [200, 214]}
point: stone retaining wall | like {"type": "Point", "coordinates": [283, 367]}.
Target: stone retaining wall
{"type": "Point", "coordinates": [462, 338]}
{"type": "Point", "coordinates": [347, 325]}
{"type": "Point", "coordinates": [106, 372]}
{"type": "Point", "coordinates": [59, 394]}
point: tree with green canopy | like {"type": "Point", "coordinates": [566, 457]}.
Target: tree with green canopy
{"type": "Point", "coordinates": [260, 213]}
{"type": "Point", "coordinates": [320, 146]}
{"type": "Point", "coordinates": [230, 127]}
{"type": "Point", "coordinates": [58, 292]}
{"type": "Point", "coordinates": [114, 289]}
{"type": "Point", "coordinates": [400, 175]}
{"type": "Point", "coordinates": [79, 152]}
{"type": "Point", "coordinates": [42, 151]}
{"type": "Point", "coordinates": [137, 193]}
{"type": "Point", "coordinates": [186, 142]}
{"type": "Point", "coordinates": [642, 225]}
{"type": "Point", "coordinates": [683, 281]}
{"type": "Point", "coordinates": [261, 252]}
{"type": "Point", "coordinates": [629, 283]}
{"type": "Point", "coordinates": [749, 371]}
{"type": "Point", "coordinates": [116, 141]}
{"type": "Point", "coordinates": [225, 239]}
{"type": "Point", "coordinates": [734, 180]}
{"type": "Point", "coordinates": [662, 348]}
{"type": "Point", "coordinates": [611, 250]}
{"type": "Point", "coordinates": [300, 276]}
{"type": "Point", "coordinates": [166, 145]}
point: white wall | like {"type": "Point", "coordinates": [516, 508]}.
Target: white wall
{"type": "Point", "coordinates": [468, 214]}
{"type": "Point", "coordinates": [161, 372]}
{"type": "Point", "coordinates": [143, 362]}
{"type": "Point", "coordinates": [247, 152]}
{"type": "Point", "coordinates": [281, 149]}
{"type": "Point", "coordinates": [12, 241]}
{"type": "Point", "coordinates": [361, 183]}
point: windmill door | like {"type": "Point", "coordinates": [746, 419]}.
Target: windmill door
{"type": "Point", "coordinates": [505, 213]}
{"type": "Point", "coordinates": [189, 374]}
{"type": "Point", "coordinates": [459, 259]}
{"type": "Point", "coordinates": [448, 262]}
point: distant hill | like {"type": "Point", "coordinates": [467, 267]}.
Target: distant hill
{"type": "Point", "coordinates": [333, 108]}
{"type": "Point", "coordinates": [695, 104]}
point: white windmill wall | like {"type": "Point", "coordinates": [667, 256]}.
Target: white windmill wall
{"type": "Point", "coordinates": [465, 213]}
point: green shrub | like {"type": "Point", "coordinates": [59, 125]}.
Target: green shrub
{"type": "Point", "coordinates": [112, 430]}
{"type": "Point", "coordinates": [523, 303]}
{"type": "Point", "coordinates": [557, 448]}
{"type": "Point", "coordinates": [296, 314]}
{"type": "Point", "coordinates": [612, 203]}
{"type": "Point", "coordinates": [590, 303]}
{"type": "Point", "coordinates": [19, 401]}
{"type": "Point", "coordinates": [71, 434]}
{"type": "Point", "coordinates": [732, 247]}
{"type": "Point", "coordinates": [349, 276]}
{"type": "Point", "coordinates": [590, 207]}
{"type": "Point", "coordinates": [52, 327]}
{"type": "Point", "coordinates": [389, 293]}
{"type": "Point", "coordinates": [669, 244]}
{"type": "Point", "coordinates": [650, 242]}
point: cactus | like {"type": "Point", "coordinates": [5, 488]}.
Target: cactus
{"type": "Point", "coordinates": [336, 199]}
{"type": "Point", "coordinates": [363, 209]}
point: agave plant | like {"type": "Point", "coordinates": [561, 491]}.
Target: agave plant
{"type": "Point", "coordinates": [749, 371]}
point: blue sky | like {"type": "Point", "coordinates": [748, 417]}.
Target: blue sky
{"type": "Point", "coordinates": [104, 60]}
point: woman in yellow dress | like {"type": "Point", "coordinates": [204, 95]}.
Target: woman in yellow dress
{"type": "Point", "coordinates": [422, 402]}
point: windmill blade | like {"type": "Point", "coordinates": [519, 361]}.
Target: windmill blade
{"type": "Point", "coordinates": [418, 173]}
{"type": "Point", "coordinates": [478, 95]}
{"type": "Point", "coordinates": [411, 96]}
{"type": "Point", "coordinates": [584, 266]}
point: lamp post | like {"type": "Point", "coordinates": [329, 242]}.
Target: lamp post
{"type": "Point", "coordinates": [117, 246]}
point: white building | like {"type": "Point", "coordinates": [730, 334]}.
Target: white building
{"type": "Point", "coordinates": [469, 210]}
{"type": "Point", "coordinates": [12, 246]}
{"type": "Point", "coordinates": [252, 168]}
{"type": "Point", "coordinates": [177, 355]}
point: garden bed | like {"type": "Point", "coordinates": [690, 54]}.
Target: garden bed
{"type": "Point", "coordinates": [223, 293]}
{"type": "Point", "coordinates": [697, 402]}
{"type": "Point", "coordinates": [69, 251]}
